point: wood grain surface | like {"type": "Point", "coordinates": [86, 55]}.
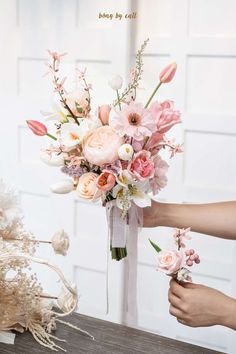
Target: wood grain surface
{"type": "Point", "coordinates": [110, 338]}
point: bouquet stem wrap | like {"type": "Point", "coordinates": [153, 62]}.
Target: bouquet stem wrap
{"type": "Point", "coordinates": [123, 233]}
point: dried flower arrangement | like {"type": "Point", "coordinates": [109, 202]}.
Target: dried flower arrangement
{"type": "Point", "coordinates": [24, 304]}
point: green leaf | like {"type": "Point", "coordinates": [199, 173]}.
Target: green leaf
{"type": "Point", "coordinates": [157, 248]}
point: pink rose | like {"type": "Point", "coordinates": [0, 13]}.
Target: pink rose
{"type": "Point", "coordinates": [106, 181]}
{"type": "Point", "coordinates": [166, 117]}
{"type": "Point", "coordinates": [103, 113]}
{"type": "Point", "coordinates": [169, 262]}
{"type": "Point", "coordinates": [101, 145]}
{"type": "Point", "coordinates": [87, 188]}
{"type": "Point", "coordinates": [141, 167]}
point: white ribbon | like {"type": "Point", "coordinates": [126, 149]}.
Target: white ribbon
{"type": "Point", "coordinates": [124, 233]}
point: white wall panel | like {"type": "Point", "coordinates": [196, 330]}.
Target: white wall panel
{"type": "Point", "coordinates": [212, 18]}
{"type": "Point", "coordinates": [209, 160]}
{"type": "Point", "coordinates": [211, 84]}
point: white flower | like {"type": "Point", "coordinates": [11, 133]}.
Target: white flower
{"type": "Point", "coordinates": [125, 152]}
{"type": "Point", "coordinates": [9, 207]}
{"type": "Point", "coordinates": [52, 158]}
{"type": "Point", "coordinates": [127, 191]}
{"type": "Point", "coordinates": [184, 275]}
{"type": "Point", "coordinates": [60, 242]}
{"type": "Point", "coordinates": [66, 300]}
{"type": "Point", "coordinates": [72, 134]}
{"type": "Point", "coordinates": [116, 82]}
{"type": "Point", "coordinates": [62, 187]}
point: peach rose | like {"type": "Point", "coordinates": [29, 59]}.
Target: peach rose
{"type": "Point", "coordinates": [170, 262]}
{"type": "Point", "coordinates": [106, 181]}
{"type": "Point", "coordinates": [101, 145]}
{"type": "Point", "coordinates": [87, 188]}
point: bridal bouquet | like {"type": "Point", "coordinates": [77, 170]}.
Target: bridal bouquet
{"type": "Point", "coordinates": [176, 263]}
{"type": "Point", "coordinates": [111, 153]}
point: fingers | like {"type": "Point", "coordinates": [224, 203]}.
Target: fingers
{"type": "Point", "coordinates": [174, 311]}
{"type": "Point", "coordinates": [173, 299]}
{"type": "Point", "coordinates": [176, 288]}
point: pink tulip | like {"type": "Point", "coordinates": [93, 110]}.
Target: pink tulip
{"type": "Point", "coordinates": [103, 113]}
{"type": "Point", "coordinates": [168, 73]}
{"type": "Point", "coordinates": [37, 128]}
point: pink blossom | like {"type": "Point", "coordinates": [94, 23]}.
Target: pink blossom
{"type": "Point", "coordinates": [137, 145]}
{"type": "Point", "coordinates": [106, 181]}
{"type": "Point", "coordinates": [159, 179]}
{"type": "Point", "coordinates": [59, 86]}
{"type": "Point", "coordinates": [168, 73]}
{"type": "Point", "coordinates": [37, 128]}
{"type": "Point", "coordinates": [176, 149]}
{"type": "Point", "coordinates": [81, 73]}
{"type": "Point", "coordinates": [154, 140]}
{"type": "Point", "coordinates": [180, 235]}
{"type": "Point", "coordinates": [141, 167]}
{"type": "Point", "coordinates": [166, 117]}
{"type": "Point", "coordinates": [103, 113]}
{"type": "Point", "coordinates": [134, 120]}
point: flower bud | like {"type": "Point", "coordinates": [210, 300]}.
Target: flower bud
{"type": "Point", "coordinates": [103, 113]}
{"type": "Point", "coordinates": [168, 73]}
{"type": "Point", "coordinates": [37, 128]}
{"type": "Point", "coordinates": [125, 152]}
{"type": "Point", "coordinates": [116, 82]}
{"type": "Point", "coordinates": [62, 187]}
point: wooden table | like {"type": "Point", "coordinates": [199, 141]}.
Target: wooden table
{"type": "Point", "coordinates": [110, 338]}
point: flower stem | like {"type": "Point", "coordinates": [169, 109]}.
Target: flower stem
{"type": "Point", "coordinates": [51, 136]}
{"type": "Point", "coordinates": [153, 94]}
{"type": "Point", "coordinates": [118, 99]}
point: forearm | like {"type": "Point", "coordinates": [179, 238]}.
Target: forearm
{"type": "Point", "coordinates": [216, 219]}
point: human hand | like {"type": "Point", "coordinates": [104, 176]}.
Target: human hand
{"type": "Point", "coordinates": [197, 305]}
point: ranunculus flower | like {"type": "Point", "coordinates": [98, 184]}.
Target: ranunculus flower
{"type": "Point", "coordinates": [115, 82]}
{"type": "Point", "coordinates": [170, 262]}
{"type": "Point", "coordinates": [133, 120]}
{"type": "Point", "coordinates": [37, 128]}
{"type": "Point", "coordinates": [60, 242]}
{"type": "Point", "coordinates": [101, 146]}
{"type": "Point", "coordinates": [87, 186]}
{"type": "Point", "coordinates": [159, 179]}
{"type": "Point", "coordinates": [125, 152]}
{"type": "Point", "coordinates": [106, 181]}
{"type": "Point", "coordinates": [168, 73]}
{"type": "Point", "coordinates": [141, 167]}
{"type": "Point", "coordinates": [166, 117]}
{"type": "Point", "coordinates": [103, 113]}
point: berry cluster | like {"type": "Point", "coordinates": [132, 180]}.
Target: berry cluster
{"type": "Point", "coordinates": [192, 257]}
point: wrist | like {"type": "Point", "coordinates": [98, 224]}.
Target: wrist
{"type": "Point", "coordinates": [228, 313]}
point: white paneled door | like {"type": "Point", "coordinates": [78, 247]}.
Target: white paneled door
{"type": "Point", "coordinates": [200, 37]}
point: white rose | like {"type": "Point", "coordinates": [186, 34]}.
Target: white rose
{"type": "Point", "coordinates": [116, 82]}
{"type": "Point", "coordinates": [60, 242]}
{"type": "Point", "coordinates": [62, 187]}
{"type": "Point", "coordinates": [125, 152]}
